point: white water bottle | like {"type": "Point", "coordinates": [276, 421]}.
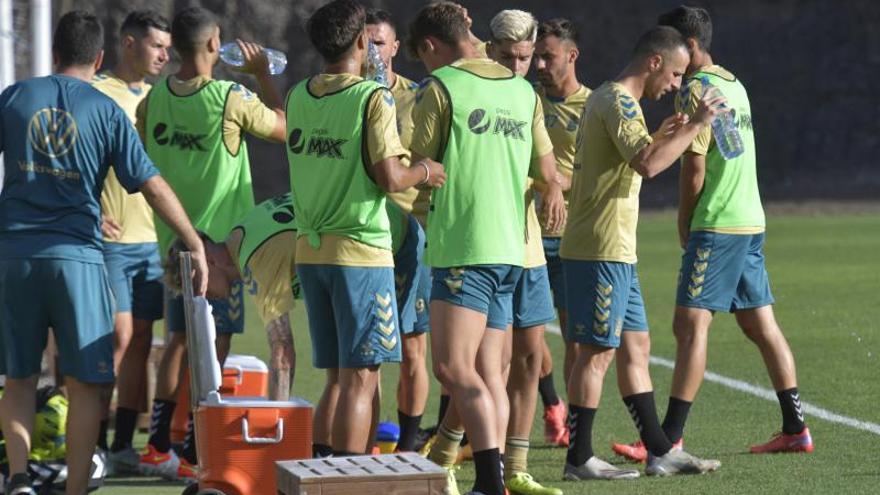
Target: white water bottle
{"type": "Point", "coordinates": [230, 54]}
{"type": "Point", "coordinates": [375, 66]}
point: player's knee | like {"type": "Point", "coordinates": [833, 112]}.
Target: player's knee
{"type": "Point", "coordinates": [596, 360]}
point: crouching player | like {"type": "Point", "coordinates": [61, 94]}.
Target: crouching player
{"type": "Point", "coordinates": [259, 252]}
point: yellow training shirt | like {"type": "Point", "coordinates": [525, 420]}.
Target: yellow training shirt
{"type": "Point", "coordinates": [604, 196]}
{"type": "Point", "coordinates": [404, 92]}
{"type": "Point", "coordinates": [130, 211]}
{"type": "Point", "coordinates": [269, 273]}
{"type": "Point", "coordinates": [383, 142]}
{"type": "Point", "coordinates": [561, 117]}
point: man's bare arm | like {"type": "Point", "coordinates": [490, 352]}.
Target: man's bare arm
{"type": "Point", "coordinates": [690, 185]}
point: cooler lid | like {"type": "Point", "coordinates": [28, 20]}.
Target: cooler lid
{"type": "Point", "coordinates": [244, 362]}
{"type": "Point", "coordinates": [208, 376]}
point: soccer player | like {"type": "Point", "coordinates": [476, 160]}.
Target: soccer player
{"type": "Point", "coordinates": [131, 253]}
{"type": "Point", "coordinates": [59, 137]}
{"type": "Point", "coordinates": [193, 128]}
{"type": "Point", "coordinates": [512, 44]}
{"type": "Point", "coordinates": [480, 120]}
{"type": "Point", "coordinates": [411, 275]}
{"type": "Point", "coordinates": [344, 153]}
{"type": "Point", "coordinates": [258, 252]}
{"type": "Point", "coordinates": [603, 297]}
{"type": "Point", "coordinates": [721, 228]}
{"type": "Point", "coordinates": [563, 99]}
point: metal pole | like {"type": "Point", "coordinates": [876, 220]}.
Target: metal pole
{"type": "Point", "coordinates": [7, 60]}
{"type": "Point", "coordinates": [41, 31]}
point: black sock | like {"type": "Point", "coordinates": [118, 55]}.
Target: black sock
{"type": "Point", "coordinates": [548, 390]}
{"type": "Point", "coordinates": [489, 480]}
{"type": "Point", "coordinates": [676, 416]}
{"type": "Point", "coordinates": [644, 415]}
{"type": "Point", "coordinates": [188, 451]}
{"type": "Point", "coordinates": [409, 428]}
{"type": "Point", "coordinates": [126, 420]}
{"type": "Point", "coordinates": [320, 450]}
{"type": "Point", "coordinates": [580, 427]}
{"type": "Point", "coordinates": [792, 411]}
{"type": "Point", "coordinates": [345, 453]}
{"type": "Point", "coordinates": [160, 424]}
{"type": "Point", "coordinates": [441, 412]}
{"type": "Point", "coordinates": [102, 434]}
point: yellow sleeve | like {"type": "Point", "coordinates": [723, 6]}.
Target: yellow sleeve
{"type": "Point", "coordinates": [383, 140]}
{"type": "Point", "coordinates": [140, 122]}
{"type": "Point", "coordinates": [626, 126]}
{"type": "Point", "coordinates": [431, 120]}
{"type": "Point", "coordinates": [541, 143]}
{"type": "Point", "coordinates": [245, 109]}
{"type": "Point", "coordinates": [270, 276]}
{"type": "Point", "coordinates": [686, 102]}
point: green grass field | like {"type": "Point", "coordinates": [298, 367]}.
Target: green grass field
{"type": "Point", "coordinates": [825, 280]}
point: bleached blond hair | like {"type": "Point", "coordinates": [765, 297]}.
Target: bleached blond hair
{"type": "Point", "coordinates": [513, 25]}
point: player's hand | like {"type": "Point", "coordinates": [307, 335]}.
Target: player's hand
{"type": "Point", "coordinates": [684, 233]}
{"type": "Point", "coordinates": [710, 105]}
{"type": "Point", "coordinates": [255, 60]}
{"type": "Point", "coordinates": [670, 125]}
{"type": "Point", "coordinates": [200, 272]}
{"type": "Point", "coordinates": [109, 228]}
{"type": "Point", "coordinates": [553, 208]}
{"type": "Point", "coordinates": [436, 174]}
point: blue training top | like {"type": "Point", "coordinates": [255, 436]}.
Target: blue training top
{"type": "Point", "coordinates": [59, 136]}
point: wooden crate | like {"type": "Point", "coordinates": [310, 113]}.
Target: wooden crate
{"type": "Point", "coordinates": [389, 474]}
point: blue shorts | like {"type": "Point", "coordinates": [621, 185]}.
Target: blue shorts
{"type": "Point", "coordinates": [228, 313]}
{"type": "Point", "coordinates": [71, 297]}
{"type": "Point", "coordinates": [723, 272]}
{"type": "Point", "coordinates": [603, 299]}
{"type": "Point", "coordinates": [408, 273]}
{"type": "Point", "coordinates": [484, 288]}
{"type": "Point", "coordinates": [135, 273]}
{"type": "Point", "coordinates": [532, 304]}
{"type": "Point", "coordinates": [554, 270]}
{"type": "Point", "coordinates": [352, 315]}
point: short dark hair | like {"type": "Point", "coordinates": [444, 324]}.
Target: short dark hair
{"type": "Point", "coordinates": [442, 20]}
{"type": "Point", "coordinates": [563, 29]}
{"type": "Point", "coordinates": [334, 28]}
{"type": "Point", "coordinates": [659, 39]}
{"type": "Point", "coordinates": [691, 22]}
{"type": "Point", "coordinates": [138, 22]}
{"type": "Point", "coordinates": [189, 27]}
{"type": "Point", "coordinates": [380, 16]}
{"type": "Point", "coordinates": [78, 39]}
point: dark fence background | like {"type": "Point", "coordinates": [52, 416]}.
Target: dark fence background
{"type": "Point", "coordinates": [811, 67]}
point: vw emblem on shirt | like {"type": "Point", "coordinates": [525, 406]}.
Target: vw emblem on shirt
{"type": "Point", "coordinates": [52, 132]}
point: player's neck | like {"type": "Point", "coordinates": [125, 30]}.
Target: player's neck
{"type": "Point", "coordinates": [565, 88]}
{"type": "Point", "coordinates": [128, 74]}
{"type": "Point", "coordinates": [392, 77]}
{"type": "Point", "coordinates": [700, 60]}
{"type": "Point", "coordinates": [198, 66]}
{"type": "Point", "coordinates": [633, 80]}
{"type": "Point", "coordinates": [348, 65]}
{"type": "Point", "coordinates": [78, 72]}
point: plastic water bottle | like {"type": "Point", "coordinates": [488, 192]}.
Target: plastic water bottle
{"type": "Point", "coordinates": [724, 130]}
{"type": "Point", "coordinates": [375, 66]}
{"type": "Point", "coordinates": [231, 54]}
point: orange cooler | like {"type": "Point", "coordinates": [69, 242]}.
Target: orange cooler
{"type": "Point", "coordinates": [239, 440]}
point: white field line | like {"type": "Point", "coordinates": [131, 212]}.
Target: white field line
{"type": "Point", "coordinates": [763, 393]}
